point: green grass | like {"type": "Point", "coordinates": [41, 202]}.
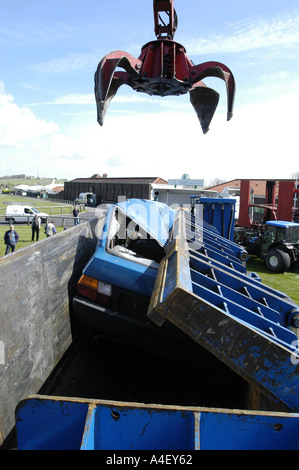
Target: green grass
{"type": "Point", "coordinates": [43, 205]}
{"type": "Point", "coordinates": [11, 183]}
{"type": "Point", "coordinates": [287, 282]}
{"type": "Point", "coordinates": [25, 235]}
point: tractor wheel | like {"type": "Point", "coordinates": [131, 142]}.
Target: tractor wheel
{"type": "Point", "coordinates": [278, 261]}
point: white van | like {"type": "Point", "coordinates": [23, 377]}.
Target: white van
{"type": "Point", "coordinates": [18, 213]}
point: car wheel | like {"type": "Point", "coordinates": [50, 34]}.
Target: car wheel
{"type": "Point", "coordinates": [278, 261]}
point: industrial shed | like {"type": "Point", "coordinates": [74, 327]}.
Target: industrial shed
{"type": "Point", "coordinates": [110, 189]}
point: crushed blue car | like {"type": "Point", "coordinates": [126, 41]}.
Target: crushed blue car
{"type": "Point", "coordinates": [114, 292]}
{"type": "Point", "coordinates": [145, 250]}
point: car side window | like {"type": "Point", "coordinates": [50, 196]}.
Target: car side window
{"type": "Point", "coordinates": [127, 239]}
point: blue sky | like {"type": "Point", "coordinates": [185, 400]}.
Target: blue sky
{"type": "Point", "coordinates": [49, 51]}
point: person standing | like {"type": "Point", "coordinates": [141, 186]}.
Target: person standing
{"type": "Point", "coordinates": [11, 238]}
{"type": "Point", "coordinates": [50, 229]}
{"type": "Point", "coordinates": [35, 226]}
{"type": "Point", "coordinates": [76, 214]}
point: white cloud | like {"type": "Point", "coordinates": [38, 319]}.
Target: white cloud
{"type": "Point", "coordinates": [68, 63]}
{"type": "Point", "coordinates": [87, 99]}
{"type": "Point", "coordinates": [259, 142]}
{"type": "Point", "coordinates": [253, 33]}
{"type": "Point", "coordinates": [70, 99]}
{"type": "Point", "coordinates": [18, 125]}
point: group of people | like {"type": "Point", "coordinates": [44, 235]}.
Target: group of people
{"type": "Point", "coordinates": [50, 228]}
{"type": "Point", "coordinates": [11, 237]}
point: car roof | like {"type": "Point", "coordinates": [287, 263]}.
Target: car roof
{"type": "Point", "coordinates": [282, 223]}
{"type": "Point", "coordinates": [155, 217]}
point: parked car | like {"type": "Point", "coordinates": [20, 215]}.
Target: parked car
{"type": "Point", "coordinates": [17, 213]}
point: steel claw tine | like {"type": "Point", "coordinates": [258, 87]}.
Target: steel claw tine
{"type": "Point", "coordinates": [107, 81]}
{"type": "Point", "coordinates": [204, 101]}
{"type": "Point", "coordinates": [102, 105]}
{"type": "Point", "coordinates": [216, 69]}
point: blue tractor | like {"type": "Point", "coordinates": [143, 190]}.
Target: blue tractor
{"type": "Point", "coordinates": [277, 243]}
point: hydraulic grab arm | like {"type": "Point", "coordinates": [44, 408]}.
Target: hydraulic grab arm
{"type": "Point", "coordinates": [164, 69]}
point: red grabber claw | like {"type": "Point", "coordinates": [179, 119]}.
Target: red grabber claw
{"type": "Point", "coordinates": [164, 69]}
{"type": "Point", "coordinates": [107, 81]}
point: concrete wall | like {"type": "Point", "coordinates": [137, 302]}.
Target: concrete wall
{"type": "Point", "coordinates": [36, 283]}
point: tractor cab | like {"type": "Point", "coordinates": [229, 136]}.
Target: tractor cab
{"type": "Point", "coordinates": [280, 245]}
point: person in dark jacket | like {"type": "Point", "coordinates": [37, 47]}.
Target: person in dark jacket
{"type": "Point", "coordinates": [35, 226]}
{"type": "Point", "coordinates": [11, 238]}
{"type": "Point", "coordinates": [76, 215]}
